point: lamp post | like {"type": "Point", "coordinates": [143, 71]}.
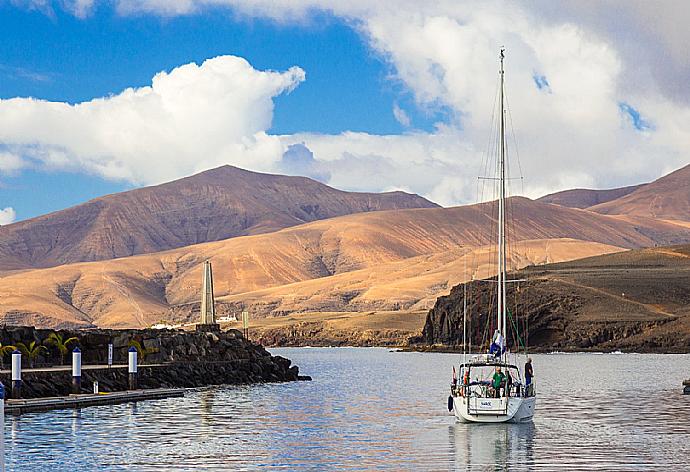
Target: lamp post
{"type": "Point", "coordinates": [133, 368]}
{"type": "Point", "coordinates": [76, 370]}
{"type": "Point", "coordinates": [2, 427]}
{"type": "Point", "coordinates": [16, 374]}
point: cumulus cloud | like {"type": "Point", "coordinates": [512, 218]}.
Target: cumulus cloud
{"type": "Point", "coordinates": [570, 67]}
{"type": "Point", "coordinates": [189, 119]}
{"type": "Point", "coordinates": [7, 216]}
{"type": "Point", "coordinates": [589, 57]}
{"type": "Point", "coordinates": [299, 160]}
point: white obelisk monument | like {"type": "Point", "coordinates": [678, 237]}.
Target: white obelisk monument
{"type": "Point", "coordinates": [208, 310]}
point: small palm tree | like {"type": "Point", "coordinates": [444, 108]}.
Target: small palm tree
{"type": "Point", "coordinates": [62, 344]}
{"type": "Point", "coordinates": [32, 351]}
{"type": "Point", "coordinates": [4, 350]}
{"type": "Point", "coordinates": [142, 352]}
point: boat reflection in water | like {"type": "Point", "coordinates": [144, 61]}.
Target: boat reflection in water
{"type": "Point", "coordinates": [496, 446]}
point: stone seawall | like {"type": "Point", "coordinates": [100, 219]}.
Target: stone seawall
{"type": "Point", "coordinates": [160, 345]}
{"type": "Point", "coordinates": [175, 358]}
{"type": "Point", "coordinates": [48, 383]}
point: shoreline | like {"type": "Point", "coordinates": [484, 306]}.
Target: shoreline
{"type": "Point", "coordinates": [453, 350]}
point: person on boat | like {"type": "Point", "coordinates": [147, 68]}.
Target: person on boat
{"type": "Point", "coordinates": [498, 380]}
{"type": "Point", "coordinates": [529, 373]}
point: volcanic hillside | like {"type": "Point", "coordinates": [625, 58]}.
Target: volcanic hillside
{"type": "Point", "coordinates": [585, 198]}
{"type": "Point", "coordinates": [636, 300]}
{"type": "Point", "coordinates": [666, 198]}
{"type": "Point", "coordinates": [386, 260]}
{"type": "Point", "coordinates": [210, 206]}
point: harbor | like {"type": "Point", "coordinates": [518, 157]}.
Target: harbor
{"type": "Point", "coordinates": [345, 420]}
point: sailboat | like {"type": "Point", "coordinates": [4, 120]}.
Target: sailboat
{"type": "Point", "coordinates": [491, 387]}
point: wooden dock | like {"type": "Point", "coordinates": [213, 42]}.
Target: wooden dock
{"type": "Point", "coordinates": [17, 407]}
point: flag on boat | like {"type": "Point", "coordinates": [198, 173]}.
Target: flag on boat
{"type": "Point", "coordinates": [498, 344]}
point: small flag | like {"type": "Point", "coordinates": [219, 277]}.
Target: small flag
{"type": "Point", "coordinates": [454, 374]}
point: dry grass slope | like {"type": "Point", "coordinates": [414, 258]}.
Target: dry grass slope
{"type": "Point", "coordinates": [386, 260]}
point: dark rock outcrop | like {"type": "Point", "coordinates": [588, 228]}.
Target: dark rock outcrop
{"type": "Point", "coordinates": [634, 301]}
{"type": "Point", "coordinates": [161, 345]}
{"type": "Point", "coordinates": [174, 359]}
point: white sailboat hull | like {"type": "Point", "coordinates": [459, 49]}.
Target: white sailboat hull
{"type": "Point", "coordinates": [494, 410]}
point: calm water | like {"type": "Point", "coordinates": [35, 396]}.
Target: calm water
{"type": "Point", "coordinates": [373, 409]}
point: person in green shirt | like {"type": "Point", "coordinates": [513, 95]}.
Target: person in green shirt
{"type": "Point", "coordinates": [498, 379]}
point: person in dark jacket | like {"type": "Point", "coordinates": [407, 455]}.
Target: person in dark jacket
{"type": "Point", "coordinates": [529, 374]}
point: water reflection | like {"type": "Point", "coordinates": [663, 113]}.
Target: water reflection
{"type": "Point", "coordinates": [498, 446]}
{"type": "Point", "coordinates": [206, 406]}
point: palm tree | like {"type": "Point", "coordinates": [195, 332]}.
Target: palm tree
{"type": "Point", "coordinates": [60, 343]}
{"type": "Point", "coordinates": [141, 350]}
{"type": "Point", "coordinates": [4, 350]}
{"type": "Point", "coordinates": [31, 351]}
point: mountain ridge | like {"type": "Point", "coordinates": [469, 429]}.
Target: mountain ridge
{"type": "Point", "coordinates": [391, 259]}
{"type": "Point", "coordinates": [668, 197]}
{"type": "Point", "coordinates": [212, 205]}
{"type": "Point", "coordinates": [583, 198]}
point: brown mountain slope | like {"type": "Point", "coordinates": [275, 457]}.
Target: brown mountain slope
{"type": "Point", "coordinates": [210, 206]}
{"type": "Point", "coordinates": [667, 198]}
{"type": "Point", "coordinates": [634, 300]}
{"type": "Point", "coordinates": [585, 198]}
{"type": "Point", "coordinates": [388, 259]}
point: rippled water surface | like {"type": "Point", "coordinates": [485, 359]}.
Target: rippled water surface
{"type": "Point", "coordinates": [373, 409]}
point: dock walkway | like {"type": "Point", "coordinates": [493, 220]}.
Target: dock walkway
{"type": "Point", "coordinates": [19, 406]}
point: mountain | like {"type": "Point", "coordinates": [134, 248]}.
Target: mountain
{"type": "Point", "coordinates": [217, 204]}
{"type": "Point", "coordinates": [635, 300]}
{"type": "Point", "coordinates": [384, 260]}
{"type": "Point", "coordinates": [665, 198]}
{"type": "Point", "coordinates": [585, 198]}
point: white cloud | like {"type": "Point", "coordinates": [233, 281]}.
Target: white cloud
{"type": "Point", "coordinates": [7, 216]}
{"type": "Point", "coordinates": [401, 116]}
{"type": "Point", "coordinates": [80, 8]}
{"type": "Point", "coordinates": [594, 56]}
{"type": "Point", "coordinates": [446, 53]}
{"type": "Point", "coordinates": [10, 162]}
{"type": "Point", "coordinates": [189, 119]}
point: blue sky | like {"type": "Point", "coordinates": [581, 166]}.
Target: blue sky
{"type": "Point", "coordinates": [63, 58]}
{"type": "Point", "coordinates": [369, 96]}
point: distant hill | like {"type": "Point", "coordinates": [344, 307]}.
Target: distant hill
{"type": "Point", "coordinates": [210, 206]}
{"type": "Point", "coordinates": [585, 198]}
{"type": "Point", "coordinates": [386, 260]}
{"type": "Point", "coordinates": [634, 300]}
{"type": "Point", "coordinates": [666, 198]}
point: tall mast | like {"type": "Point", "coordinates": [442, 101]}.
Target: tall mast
{"type": "Point", "coordinates": [502, 216]}
{"type": "Point", "coordinates": [464, 317]}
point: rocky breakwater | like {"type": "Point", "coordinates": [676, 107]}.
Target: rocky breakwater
{"type": "Point", "coordinates": [168, 358]}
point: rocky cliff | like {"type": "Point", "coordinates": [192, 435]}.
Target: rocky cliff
{"type": "Point", "coordinates": [635, 301]}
